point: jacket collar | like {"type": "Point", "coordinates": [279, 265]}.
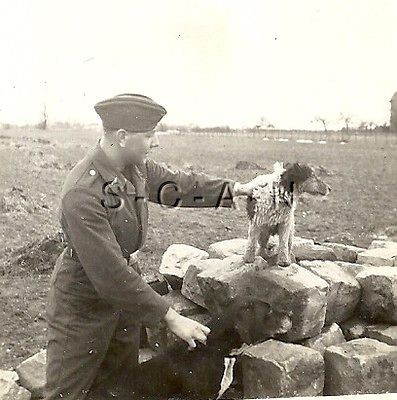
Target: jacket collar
{"type": "Point", "coordinates": [110, 174]}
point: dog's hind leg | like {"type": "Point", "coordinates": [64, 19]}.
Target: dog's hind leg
{"type": "Point", "coordinates": [284, 231]}
{"type": "Point", "coordinates": [291, 238]}
{"type": "Point", "coordinates": [253, 236]}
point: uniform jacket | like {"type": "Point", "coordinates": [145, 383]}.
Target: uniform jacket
{"type": "Point", "coordinates": [104, 216]}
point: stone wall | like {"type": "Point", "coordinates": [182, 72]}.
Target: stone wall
{"type": "Point", "coordinates": [341, 301]}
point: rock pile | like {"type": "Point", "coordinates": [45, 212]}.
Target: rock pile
{"type": "Point", "coordinates": [341, 300]}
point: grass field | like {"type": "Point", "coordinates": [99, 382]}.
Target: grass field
{"type": "Point", "coordinates": [34, 164]}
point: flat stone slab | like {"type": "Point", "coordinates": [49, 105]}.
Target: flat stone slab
{"type": "Point", "coordinates": [384, 333]}
{"type": "Point", "coordinates": [329, 336]}
{"type": "Point", "coordinates": [360, 366]}
{"type": "Point", "coordinates": [227, 248]}
{"type": "Point", "coordinates": [190, 286]}
{"type": "Point", "coordinates": [277, 369]}
{"type": "Point", "coordinates": [345, 252]}
{"type": "Point", "coordinates": [352, 269]}
{"type": "Point", "coordinates": [32, 373]}
{"type": "Point", "coordinates": [314, 252]}
{"type": "Point", "coordinates": [344, 290]}
{"type": "Point", "coordinates": [379, 257]}
{"type": "Point", "coordinates": [9, 390]}
{"type": "Point", "coordinates": [295, 291]}
{"type": "Point", "coordinates": [176, 260]}
{"type": "Point", "coordinates": [379, 294]}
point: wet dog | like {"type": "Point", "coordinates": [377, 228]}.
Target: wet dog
{"type": "Point", "coordinates": [271, 209]}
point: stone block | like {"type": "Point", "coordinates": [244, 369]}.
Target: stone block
{"type": "Point", "coordinates": [32, 373]}
{"type": "Point", "coordinates": [314, 252]}
{"type": "Point", "coordinates": [9, 390]}
{"type": "Point", "coordinates": [345, 252]}
{"type": "Point", "coordinates": [181, 304]}
{"type": "Point", "coordinates": [360, 366]}
{"type": "Point", "coordinates": [382, 244]}
{"type": "Point", "coordinates": [157, 283]}
{"type": "Point", "coordinates": [384, 333]}
{"type": "Point", "coordinates": [190, 287]}
{"type": "Point", "coordinates": [294, 291]}
{"type": "Point", "coordinates": [227, 248]}
{"type": "Point", "coordinates": [7, 375]}
{"type": "Point", "coordinates": [354, 328]}
{"type": "Point", "coordinates": [379, 294]}
{"type": "Point", "coordinates": [378, 257]}
{"type": "Point", "coordinates": [352, 269]}
{"type": "Point", "coordinates": [344, 290]}
{"type": "Point", "coordinates": [277, 369]}
{"type": "Point", "coordinates": [329, 336]}
{"type": "Point", "coordinates": [176, 260]}
{"type": "Point", "coordinates": [299, 245]}
{"type": "Point", "coordinates": [223, 281]}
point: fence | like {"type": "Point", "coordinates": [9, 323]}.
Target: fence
{"type": "Point", "coordinates": [283, 135]}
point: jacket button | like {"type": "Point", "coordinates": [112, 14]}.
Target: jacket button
{"type": "Point", "coordinates": [92, 172]}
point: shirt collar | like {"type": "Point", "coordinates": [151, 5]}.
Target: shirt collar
{"type": "Point", "coordinates": [109, 173]}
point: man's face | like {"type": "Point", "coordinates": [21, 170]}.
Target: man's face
{"type": "Point", "coordinates": [136, 146]}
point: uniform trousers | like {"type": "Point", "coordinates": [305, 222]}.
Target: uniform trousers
{"type": "Point", "coordinates": [87, 343]}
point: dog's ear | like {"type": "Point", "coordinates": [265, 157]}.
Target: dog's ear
{"type": "Point", "coordinates": [295, 173]}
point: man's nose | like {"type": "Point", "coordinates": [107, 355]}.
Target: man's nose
{"type": "Point", "coordinates": [154, 141]}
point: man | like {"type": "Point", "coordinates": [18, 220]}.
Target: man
{"type": "Point", "coordinates": [97, 302]}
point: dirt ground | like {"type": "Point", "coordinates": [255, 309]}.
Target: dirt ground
{"type": "Point", "coordinates": [361, 206]}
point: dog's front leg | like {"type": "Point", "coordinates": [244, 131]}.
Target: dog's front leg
{"type": "Point", "coordinates": [283, 258]}
{"type": "Point", "coordinates": [263, 240]}
{"type": "Point", "coordinates": [253, 236]}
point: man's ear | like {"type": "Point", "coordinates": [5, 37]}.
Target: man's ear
{"type": "Point", "coordinates": [121, 136]}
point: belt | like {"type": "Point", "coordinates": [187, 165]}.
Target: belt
{"type": "Point", "coordinates": [131, 258]}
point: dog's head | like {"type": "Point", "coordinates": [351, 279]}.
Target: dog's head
{"type": "Point", "coordinates": [255, 320]}
{"type": "Point", "coordinates": [303, 177]}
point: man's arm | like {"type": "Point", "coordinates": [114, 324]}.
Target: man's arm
{"type": "Point", "coordinates": [191, 189]}
{"type": "Point", "coordinates": [187, 189]}
{"type": "Point", "coordinates": [100, 255]}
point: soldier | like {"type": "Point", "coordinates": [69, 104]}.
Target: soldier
{"type": "Point", "coordinates": [97, 301]}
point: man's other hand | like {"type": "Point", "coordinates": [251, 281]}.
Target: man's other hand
{"type": "Point", "coordinates": [186, 328]}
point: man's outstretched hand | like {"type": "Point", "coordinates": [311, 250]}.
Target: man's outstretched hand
{"type": "Point", "coordinates": [186, 328]}
{"type": "Point", "coordinates": [246, 189]}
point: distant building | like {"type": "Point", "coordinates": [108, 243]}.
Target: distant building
{"type": "Point", "coordinates": [393, 113]}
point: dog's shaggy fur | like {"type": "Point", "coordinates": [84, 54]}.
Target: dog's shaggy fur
{"type": "Point", "coordinates": [271, 209]}
{"type": "Point", "coordinates": [197, 374]}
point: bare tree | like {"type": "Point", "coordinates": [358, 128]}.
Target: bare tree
{"type": "Point", "coordinates": [367, 126]}
{"type": "Point", "coordinates": [264, 123]}
{"type": "Point", "coordinates": [44, 118]}
{"type": "Point", "coordinates": [347, 120]}
{"type": "Point", "coordinates": [323, 121]}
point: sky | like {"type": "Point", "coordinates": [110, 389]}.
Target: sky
{"type": "Point", "coordinates": [208, 62]}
